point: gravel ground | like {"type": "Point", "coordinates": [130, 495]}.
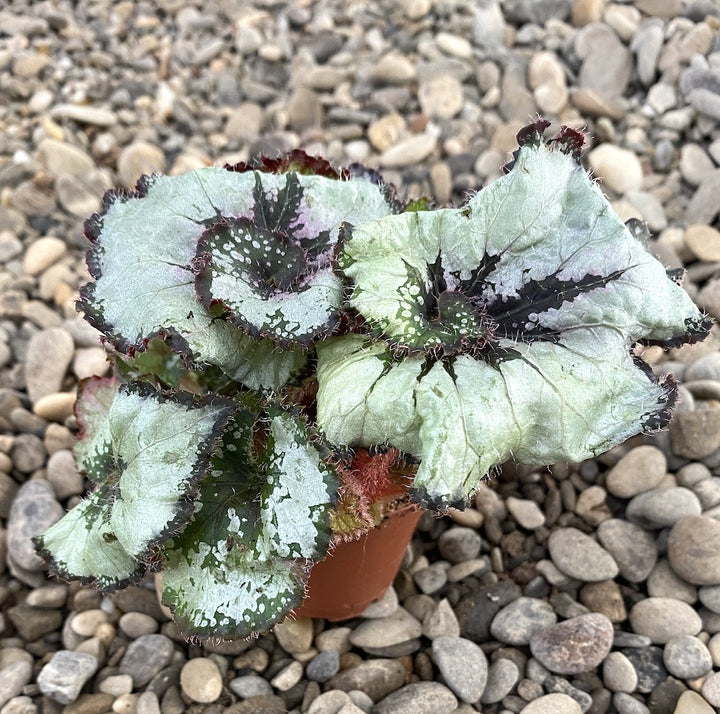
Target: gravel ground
{"type": "Point", "coordinates": [590, 587]}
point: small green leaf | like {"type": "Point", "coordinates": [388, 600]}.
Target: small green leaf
{"type": "Point", "coordinates": [263, 512]}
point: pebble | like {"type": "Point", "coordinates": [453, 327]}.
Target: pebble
{"type": "Point", "coordinates": [250, 685]}
{"type": "Point", "coordinates": [201, 680]}
{"type": "Point", "coordinates": [287, 677]}
{"type": "Point", "coordinates": [632, 548]}
{"type": "Point", "coordinates": [552, 704]}
{"type": "Point", "coordinates": [44, 376]}
{"type": "Point", "coordinates": [43, 253]}
{"type": "Point", "coordinates": [641, 469]}
{"type": "Point", "coordinates": [660, 508]}
{"type": "Point", "coordinates": [418, 698]}
{"type": "Point", "coordinates": [687, 657]}
{"type": "Point", "coordinates": [13, 677]}
{"type": "Point", "coordinates": [502, 675]}
{"type": "Point", "coordinates": [323, 666]}
{"type": "Point", "coordinates": [33, 511]}
{"type": "Point", "coordinates": [137, 624]}
{"type": "Point", "coordinates": [575, 645]}
{"type": "Point", "coordinates": [295, 635]}
{"type": "Point", "coordinates": [703, 241]}
{"type": "Point", "coordinates": [516, 622]}
{"type": "Point", "coordinates": [579, 556]}
{"type": "Point", "coordinates": [459, 544]}
{"type": "Point", "coordinates": [440, 620]}
{"type": "Point", "coordinates": [619, 675]}
{"type": "Point", "coordinates": [692, 703]}
{"type": "Point", "coordinates": [65, 674]}
{"type": "Point", "coordinates": [376, 677]}
{"type": "Point", "coordinates": [441, 97]}
{"type": "Point", "coordinates": [138, 159]}
{"type": "Point", "coordinates": [694, 550]}
{"type": "Point", "coordinates": [664, 582]}
{"type": "Point", "coordinates": [408, 151]}
{"type": "Point", "coordinates": [661, 618]}
{"type": "Point", "coordinates": [398, 628]}
{"type": "Point", "coordinates": [527, 513]}
{"type": "Point", "coordinates": [619, 169]}
{"type": "Point", "coordinates": [61, 157]}
{"type": "Point", "coordinates": [711, 689]}
{"type": "Point", "coordinates": [648, 663]}
{"type": "Point", "coordinates": [463, 666]}
{"type": "Point", "coordinates": [145, 657]}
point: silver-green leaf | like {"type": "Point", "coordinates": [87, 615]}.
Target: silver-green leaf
{"type": "Point", "coordinates": [509, 323]}
{"type": "Point", "coordinates": [146, 455]}
{"type": "Point", "coordinates": [262, 516]}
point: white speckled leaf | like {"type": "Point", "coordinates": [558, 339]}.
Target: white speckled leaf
{"type": "Point", "coordinates": [272, 269]}
{"type": "Point", "coordinates": [239, 566]}
{"type": "Point", "coordinates": [149, 454]}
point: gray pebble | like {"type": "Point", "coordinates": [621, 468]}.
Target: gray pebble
{"type": "Point", "coordinates": [711, 689]}
{"type": "Point", "coordinates": [632, 548]}
{"type": "Point", "coordinates": [516, 622]}
{"type": "Point", "coordinates": [418, 698]}
{"type": "Point", "coordinates": [250, 685]}
{"type": "Point", "coordinates": [710, 597]}
{"type": "Point", "coordinates": [33, 511]}
{"type": "Point", "coordinates": [432, 578]}
{"type": "Point", "coordinates": [663, 507]}
{"type": "Point", "coordinates": [579, 556]}
{"type": "Point", "coordinates": [648, 663]}
{"type": "Point", "coordinates": [441, 620]}
{"type": "Point", "coordinates": [641, 469]}
{"type": "Point", "coordinates": [63, 476]}
{"type": "Point", "coordinates": [694, 550]}
{"type": "Point", "coordinates": [399, 627]}
{"type": "Point", "coordinates": [323, 666]}
{"type": "Point", "coordinates": [627, 704]}
{"type": "Point", "coordinates": [148, 703]}
{"type": "Point", "coordinates": [65, 674]}
{"type": "Point", "coordinates": [619, 675]}
{"type": "Point", "coordinates": [502, 675]}
{"type": "Point", "coordinates": [557, 684]}
{"type": "Point", "coordinates": [145, 657]}
{"type": "Point", "coordinates": [44, 376]}
{"type": "Point", "coordinates": [662, 618]}
{"type": "Point", "coordinates": [376, 677]}
{"type": "Point", "coordinates": [664, 582]}
{"type": "Point", "coordinates": [575, 645]}
{"type": "Point", "coordinates": [13, 678]}
{"type": "Point", "coordinates": [28, 453]}
{"type": "Point", "coordinates": [463, 666]}
{"type": "Point", "coordinates": [686, 657]}
{"type": "Point", "coordinates": [458, 544]}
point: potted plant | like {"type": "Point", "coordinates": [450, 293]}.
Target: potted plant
{"type": "Point", "coordinates": [299, 355]}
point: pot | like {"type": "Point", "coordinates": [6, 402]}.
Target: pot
{"type": "Point", "coordinates": [359, 572]}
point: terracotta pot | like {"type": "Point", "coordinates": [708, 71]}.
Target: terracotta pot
{"type": "Point", "coordinates": [359, 572]}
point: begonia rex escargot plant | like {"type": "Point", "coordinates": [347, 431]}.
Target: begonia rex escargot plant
{"type": "Point", "coordinates": [298, 353]}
